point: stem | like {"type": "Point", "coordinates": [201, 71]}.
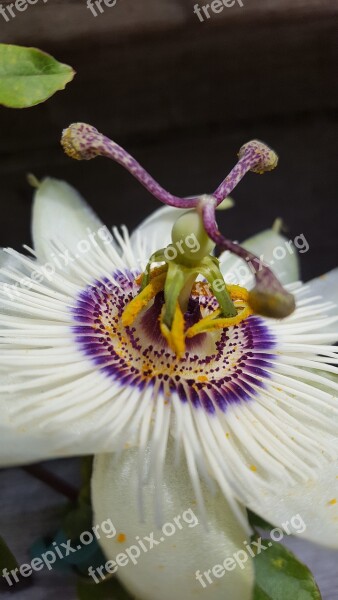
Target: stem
{"type": "Point", "coordinates": [186, 292]}
{"type": "Point", "coordinates": [53, 481]}
{"type": "Point", "coordinates": [214, 277]}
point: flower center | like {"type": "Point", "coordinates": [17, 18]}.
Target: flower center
{"type": "Point", "coordinates": [217, 365]}
{"type": "Point", "coordinates": [176, 277]}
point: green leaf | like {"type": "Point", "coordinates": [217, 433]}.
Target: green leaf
{"type": "Point", "coordinates": [257, 521]}
{"type": "Point", "coordinates": [109, 589]}
{"type": "Point", "coordinates": [29, 76]}
{"type": "Point", "coordinates": [7, 560]}
{"type": "Point", "coordinates": [79, 517]}
{"type": "Point", "coordinates": [260, 595]}
{"type": "Point", "coordinates": [77, 520]}
{"type": "Point", "coordinates": [280, 576]}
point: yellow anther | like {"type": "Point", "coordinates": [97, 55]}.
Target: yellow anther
{"type": "Point", "coordinates": [175, 337]}
{"type": "Point", "coordinates": [274, 304]}
{"type": "Point", "coordinates": [238, 293]}
{"type": "Point", "coordinates": [213, 322]}
{"type": "Point", "coordinates": [142, 299]}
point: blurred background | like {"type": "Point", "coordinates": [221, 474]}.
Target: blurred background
{"type": "Point", "coordinates": [182, 95]}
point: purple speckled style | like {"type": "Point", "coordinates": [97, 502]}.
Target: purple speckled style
{"type": "Point", "coordinates": [84, 142]}
{"type": "Point", "coordinates": [253, 156]}
{"type": "Point", "coordinates": [266, 280]}
{"type": "Point", "coordinates": [218, 368]}
{"type": "Point", "coordinates": [89, 143]}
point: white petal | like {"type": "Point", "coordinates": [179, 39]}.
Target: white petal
{"type": "Point", "coordinates": [169, 569]}
{"type": "Point", "coordinates": [56, 400]}
{"type": "Point", "coordinates": [310, 509]}
{"type": "Point", "coordinates": [60, 215]}
{"type": "Point", "coordinates": [20, 445]}
{"type": "Point", "coordinates": [6, 262]}
{"type": "Point", "coordinates": [325, 286]}
{"type": "Point", "coordinates": [274, 249]}
{"type": "Point", "coordinates": [41, 370]}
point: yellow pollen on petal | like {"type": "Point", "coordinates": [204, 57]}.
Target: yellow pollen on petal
{"type": "Point", "coordinates": [142, 299]}
{"type": "Point", "coordinates": [253, 468]}
{"type": "Point", "coordinates": [332, 502]}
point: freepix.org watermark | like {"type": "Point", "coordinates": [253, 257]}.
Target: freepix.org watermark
{"type": "Point", "coordinates": [61, 551]}
{"type": "Point", "coordinates": [59, 261]}
{"type": "Point", "coordinates": [132, 553]}
{"type": "Point", "coordinates": [215, 7]}
{"type": "Point", "coordinates": [97, 7]}
{"type": "Point", "coordinates": [10, 11]}
{"type": "Point", "coordinates": [242, 274]}
{"type": "Point", "coordinates": [295, 526]}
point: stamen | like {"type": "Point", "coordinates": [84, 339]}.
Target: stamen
{"type": "Point", "coordinates": [268, 298]}
{"type": "Point", "coordinates": [142, 299]}
{"type": "Point", "coordinates": [175, 336]}
{"type": "Point", "coordinates": [216, 320]}
{"type": "Point", "coordinates": [144, 278]}
{"type": "Point", "coordinates": [213, 322]}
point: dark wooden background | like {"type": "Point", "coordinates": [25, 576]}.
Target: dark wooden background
{"type": "Point", "coordinates": [183, 96]}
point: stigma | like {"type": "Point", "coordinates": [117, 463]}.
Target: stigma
{"type": "Point", "coordinates": [180, 269]}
